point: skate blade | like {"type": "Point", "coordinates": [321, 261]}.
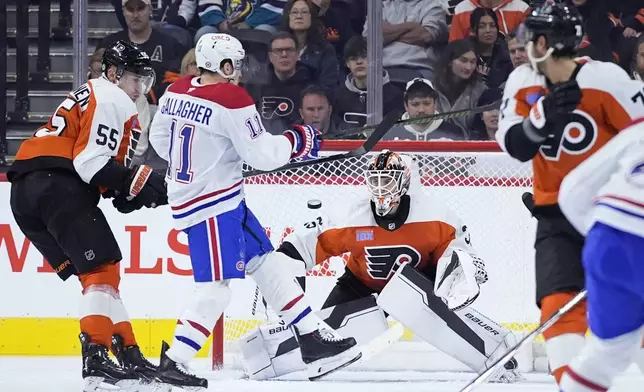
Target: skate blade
{"type": "Point", "coordinates": [326, 366]}
{"type": "Point", "coordinates": [168, 388]}
{"type": "Point", "coordinates": [98, 384]}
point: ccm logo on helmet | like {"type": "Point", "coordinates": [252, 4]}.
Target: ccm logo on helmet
{"type": "Point", "coordinates": [576, 134]}
{"type": "Point", "coordinates": [220, 37]}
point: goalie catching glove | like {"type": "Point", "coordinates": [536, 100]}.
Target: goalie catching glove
{"type": "Point", "coordinates": [458, 276]}
{"type": "Point", "coordinates": [305, 140]}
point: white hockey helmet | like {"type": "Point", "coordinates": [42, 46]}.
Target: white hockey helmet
{"type": "Point", "coordinates": [213, 49]}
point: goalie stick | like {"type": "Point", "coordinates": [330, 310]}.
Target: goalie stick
{"type": "Point", "coordinates": [481, 378]}
{"type": "Point", "coordinates": [378, 132]}
{"type": "Point", "coordinates": [420, 120]}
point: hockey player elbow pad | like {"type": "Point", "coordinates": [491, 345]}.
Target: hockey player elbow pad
{"type": "Point", "coordinates": [147, 186]}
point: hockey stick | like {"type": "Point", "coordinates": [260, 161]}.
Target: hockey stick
{"type": "Point", "coordinates": [379, 131]}
{"type": "Point", "coordinates": [481, 378]}
{"type": "Point", "coordinates": [420, 120]}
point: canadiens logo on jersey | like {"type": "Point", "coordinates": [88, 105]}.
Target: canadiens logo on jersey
{"type": "Point", "coordinates": [276, 106]}
{"type": "Point", "coordinates": [383, 261]}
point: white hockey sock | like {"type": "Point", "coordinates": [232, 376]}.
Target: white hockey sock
{"type": "Point", "coordinates": [198, 320]}
{"type": "Point", "coordinates": [600, 362]}
{"type": "Point", "coordinates": [282, 292]}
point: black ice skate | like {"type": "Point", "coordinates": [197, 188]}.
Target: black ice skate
{"type": "Point", "coordinates": [324, 351]}
{"type": "Point", "coordinates": [172, 373]}
{"type": "Point", "coordinates": [131, 359]}
{"type": "Point", "coordinates": [98, 368]}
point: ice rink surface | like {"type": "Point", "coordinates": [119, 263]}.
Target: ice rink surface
{"type": "Point", "coordinates": [62, 374]}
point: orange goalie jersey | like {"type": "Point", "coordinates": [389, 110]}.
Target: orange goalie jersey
{"type": "Point", "coordinates": [377, 248]}
{"type": "Point", "coordinates": [92, 125]}
{"type": "Point", "coordinates": [610, 102]}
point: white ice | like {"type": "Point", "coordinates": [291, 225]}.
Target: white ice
{"type": "Point", "coordinates": [63, 374]}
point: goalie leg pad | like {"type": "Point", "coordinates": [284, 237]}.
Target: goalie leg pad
{"type": "Point", "coordinates": [465, 335]}
{"type": "Point", "coordinates": [272, 351]}
{"type": "Point", "coordinates": [194, 326]}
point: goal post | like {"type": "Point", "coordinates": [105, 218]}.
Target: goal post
{"type": "Point", "coordinates": [477, 180]}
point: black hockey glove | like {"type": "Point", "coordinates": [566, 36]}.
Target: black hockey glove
{"type": "Point", "coordinates": [563, 99]}
{"type": "Point", "coordinates": [125, 206]}
{"type": "Point", "coordinates": [146, 186]}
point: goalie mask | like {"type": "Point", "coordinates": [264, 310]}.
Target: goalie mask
{"type": "Point", "coordinates": [388, 178]}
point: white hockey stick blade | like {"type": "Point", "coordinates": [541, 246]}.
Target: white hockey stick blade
{"type": "Point", "coordinates": [382, 342]}
{"type": "Point", "coordinates": [481, 378]}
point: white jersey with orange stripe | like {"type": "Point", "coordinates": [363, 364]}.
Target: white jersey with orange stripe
{"type": "Point", "coordinates": [206, 133]}
{"type": "Point", "coordinates": [608, 187]}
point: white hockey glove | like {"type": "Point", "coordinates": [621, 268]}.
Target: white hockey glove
{"type": "Point", "coordinates": [458, 276]}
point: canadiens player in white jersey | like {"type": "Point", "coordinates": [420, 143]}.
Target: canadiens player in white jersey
{"type": "Point", "coordinates": [206, 128]}
{"type": "Point", "coordinates": [401, 242]}
{"type": "Point", "coordinates": [557, 111]}
{"type": "Point", "coordinates": [604, 199]}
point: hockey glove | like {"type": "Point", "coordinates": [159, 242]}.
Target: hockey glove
{"type": "Point", "coordinates": [125, 206]}
{"type": "Point", "coordinates": [458, 276]}
{"type": "Point", "coordinates": [146, 186]}
{"type": "Point", "coordinates": [563, 99]}
{"type": "Point", "coordinates": [305, 140]}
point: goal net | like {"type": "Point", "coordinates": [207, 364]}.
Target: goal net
{"type": "Point", "coordinates": [480, 183]}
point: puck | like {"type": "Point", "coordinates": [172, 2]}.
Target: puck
{"type": "Point", "coordinates": [314, 204]}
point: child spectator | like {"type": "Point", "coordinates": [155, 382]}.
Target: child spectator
{"type": "Point", "coordinates": [302, 21]}
{"type": "Point", "coordinates": [485, 124]}
{"type": "Point", "coordinates": [494, 63]}
{"type": "Point", "coordinates": [420, 100]}
{"type": "Point", "coordinates": [351, 97]}
{"type": "Point", "coordinates": [509, 13]}
{"type": "Point", "coordinates": [412, 33]}
{"type": "Point", "coordinates": [221, 16]}
{"type": "Point", "coordinates": [457, 83]}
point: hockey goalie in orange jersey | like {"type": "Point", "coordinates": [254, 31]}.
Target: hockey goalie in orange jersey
{"type": "Point", "coordinates": [557, 111]}
{"type": "Point", "coordinates": [402, 243]}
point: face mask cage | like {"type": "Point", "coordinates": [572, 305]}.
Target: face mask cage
{"type": "Point", "coordinates": [385, 187]}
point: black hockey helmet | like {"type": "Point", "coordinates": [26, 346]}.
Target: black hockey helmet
{"type": "Point", "coordinates": [560, 23]}
{"type": "Point", "coordinates": [128, 58]}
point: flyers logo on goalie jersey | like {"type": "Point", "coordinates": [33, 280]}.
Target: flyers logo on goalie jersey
{"type": "Point", "coordinates": [609, 103]}
{"type": "Point", "coordinates": [383, 261]}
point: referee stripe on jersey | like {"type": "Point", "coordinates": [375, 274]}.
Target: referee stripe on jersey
{"type": "Point", "coordinates": [215, 249]}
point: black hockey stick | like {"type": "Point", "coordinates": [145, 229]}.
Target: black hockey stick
{"type": "Point", "coordinates": [419, 120]}
{"type": "Point", "coordinates": [378, 132]}
{"type": "Point", "coordinates": [481, 378]}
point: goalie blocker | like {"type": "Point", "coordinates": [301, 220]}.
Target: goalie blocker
{"type": "Point", "coordinates": [466, 335]}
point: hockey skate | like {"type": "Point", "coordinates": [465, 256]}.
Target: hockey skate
{"type": "Point", "coordinates": [508, 374]}
{"type": "Point", "coordinates": [132, 360]}
{"type": "Point", "coordinates": [99, 372]}
{"type": "Point", "coordinates": [324, 351]}
{"type": "Point", "coordinates": [171, 373]}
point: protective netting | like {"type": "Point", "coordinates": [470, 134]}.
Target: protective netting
{"type": "Point", "coordinates": [484, 188]}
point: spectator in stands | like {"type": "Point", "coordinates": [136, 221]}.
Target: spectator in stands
{"type": "Point", "coordinates": [518, 55]}
{"type": "Point", "coordinates": [457, 83]}
{"type": "Point", "coordinates": [189, 64]}
{"type": "Point", "coordinates": [420, 100]}
{"type": "Point", "coordinates": [173, 17]}
{"type": "Point", "coordinates": [165, 52]}
{"type": "Point", "coordinates": [278, 100]}
{"type": "Point", "coordinates": [222, 16]}
{"type": "Point", "coordinates": [412, 32]}
{"type": "Point", "coordinates": [637, 63]}
{"type": "Point", "coordinates": [485, 124]}
{"type": "Point", "coordinates": [336, 18]}
{"type": "Point", "coordinates": [302, 21]}
{"type": "Point", "coordinates": [350, 98]}
{"type": "Point", "coordinates": [494, 63]}
{"type": "Point", "coordinates": [316, 110]}
{"type": "Point", "coordinates": [509, 13]}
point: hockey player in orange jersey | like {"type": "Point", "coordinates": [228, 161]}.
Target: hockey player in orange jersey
{"type": "Point", "coordinates": [401, 243]}
{"type": "Point", "coordinates": [56, 183]}
{"type": "Point", "coordinates": [557, 111]}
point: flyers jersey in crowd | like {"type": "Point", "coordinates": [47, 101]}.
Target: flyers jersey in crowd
{"type": "Point", "coordinates": [91, 126]}
{"type": "Point", "coordinates": [610, 101]}
{"type": "Point", "coordinates": [423, 231]}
